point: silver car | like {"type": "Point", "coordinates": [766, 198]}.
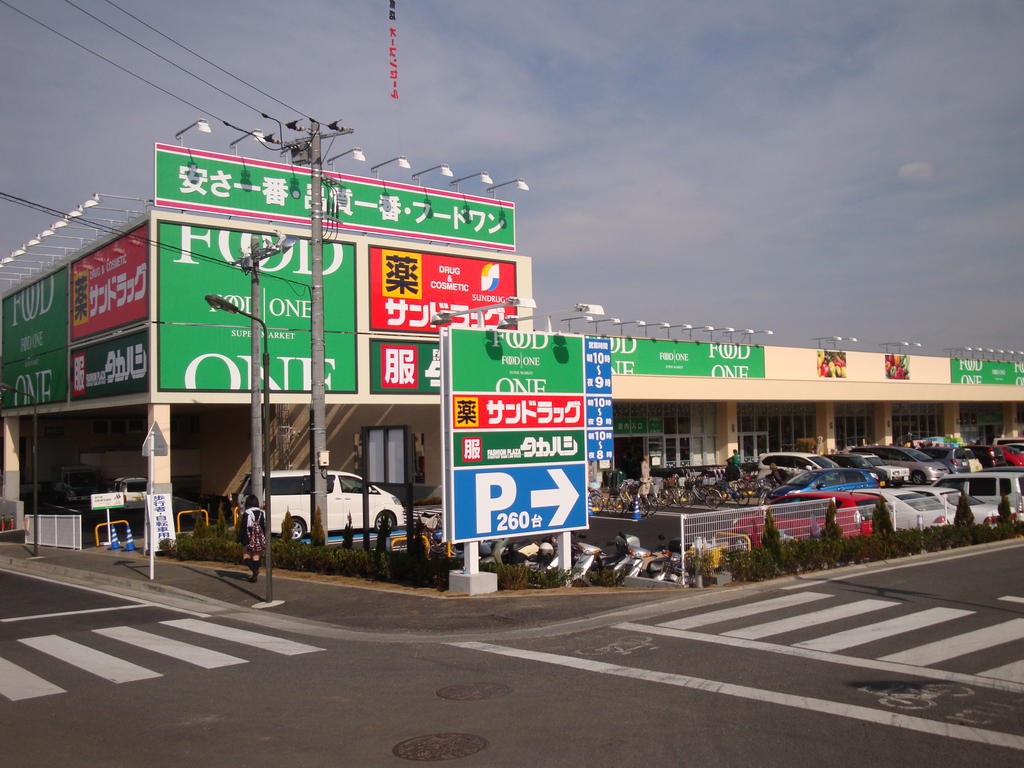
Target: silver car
{"type": "Point", "coordinates": [923, 469]}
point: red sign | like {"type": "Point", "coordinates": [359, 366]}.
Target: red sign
{"type": "Point", "coordinates": [517, 411]}
{"type": "Point", "coordinates": [408, 287]}
{"type": "Point", "coordinates": [109, 287]}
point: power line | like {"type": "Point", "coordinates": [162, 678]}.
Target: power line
{"type": "Point", "coordinates": [203, 58]}
{"type": "Point", "coordinates": [112, 63]}
{"type": "Point", "coordinates": [162, 57]}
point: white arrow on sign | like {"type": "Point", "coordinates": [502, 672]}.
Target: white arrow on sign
{"type": "Point", "coordinates": [563, 496]}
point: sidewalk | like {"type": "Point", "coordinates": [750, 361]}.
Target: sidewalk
{"type": "Point", "coordinates": [343, 602]}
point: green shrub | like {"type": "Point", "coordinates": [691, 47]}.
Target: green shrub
{"type": "Point", "coordinates": [881, 519]}
{"type": "Point", "coordinates": [832, 531]}
{"type": "Point", "coordinates": [1005, 513]}
{"type": "Point", "coordinates": [286, 525]}
{"type": "Point", "coordinates": [605, 577]}
{"type": "Point", "coordinates": [964, 517]}
{"type": "Point", "coordinates": [222, 522]}
{"type": "Point", "coordinates": [317, 537]}
{"type": "Point", "coordinates": [383, 534]}
{"type": "Point", "coordinates": [771, 541]}
{"type": "Point", "coordinates": [348, 534]}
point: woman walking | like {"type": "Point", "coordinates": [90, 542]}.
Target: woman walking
{"type": "Point", "coordinates": [252, 535]}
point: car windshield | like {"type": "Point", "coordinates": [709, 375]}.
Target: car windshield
{"type": "Point", "coordinates": [856, 460]}
{"type": "Point", "coordinates": [804, 478]}
{"type": "Point", "coordinates": [916, 455]}
{"type": "Point", "coordinates": [81, 478]}
{"type": "Point", "coordinates": [874, 461]}
{"type": "Point", "coordinates": [1012, 449]}
{"type": "Point", "coordinates": [822, 461]}
{"type": "Point", "coordinates": [935, 453]}
{"type": "Point", "coordinates": [921, 502]}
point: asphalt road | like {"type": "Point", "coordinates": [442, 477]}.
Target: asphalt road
{"type": "Point", "coordinates": [931, 670]}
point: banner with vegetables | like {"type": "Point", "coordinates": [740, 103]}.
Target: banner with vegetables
{"type": "Point", "coordinates": [831, 364]}
{"type": "Point", "coordinates": [897, 367]}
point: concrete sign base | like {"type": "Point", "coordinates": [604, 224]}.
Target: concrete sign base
{"type": "Point", "coordinates": [472, 583]}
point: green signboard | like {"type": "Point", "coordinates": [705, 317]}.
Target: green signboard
{"type": "Point", "coordinates": [405, 367]}
{"type": "Point", "coordinates": [35, 339]}
{"type": "Point", "coordinates": [490, 448]}
{"type": "Point", "coordinates": [518, 362]}
{"type": "Point", "coordinates": [205, 349]}
{"type": "Point", "coordinates": [631, 426]}
{"type": "Point", "coordinates": [43, 378]}
{"type": "Point", "coordinates": [210, 182]}
{"type": "Point", "coordinates": [986, 372]}
{"type": "Point", "coordinates": [119, 366]}
{"type": "Point", "coordinates": [666, 357]}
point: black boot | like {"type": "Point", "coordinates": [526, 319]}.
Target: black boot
{"type": "Point", "coordinates": [254, 566]}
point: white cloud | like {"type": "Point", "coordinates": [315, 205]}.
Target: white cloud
{"type": "Point", "coordinates": [917, 171]}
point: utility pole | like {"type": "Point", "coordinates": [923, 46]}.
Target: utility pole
{"type": "Point", "coordinates": [317, 405]}
{"type": "Point", "coordinates": [256, 422]}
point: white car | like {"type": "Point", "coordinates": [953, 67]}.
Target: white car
{"type": "Point", "coordinates": [134, 490]}
{"type": "Point", "coordinates": [984, 511]}
{"type": "Point", "coordinates": [289, 492]}
{"type": "Point", "coordinates": [906, 504]}
{"type": "Point", "coordinates": [792, 462]}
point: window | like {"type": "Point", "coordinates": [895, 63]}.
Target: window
{"type": "Point", "coordinates": [350, 484]}
{"type": "Point", "coordinates": [295, 485]}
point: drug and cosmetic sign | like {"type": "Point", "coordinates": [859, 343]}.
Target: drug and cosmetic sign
{"type": "Point", "coordinates": [515, 422]}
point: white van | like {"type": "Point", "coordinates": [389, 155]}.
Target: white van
{"type": "Point", "coordinates": [989, 485]}
{"type": "Point", "coordinates": [289, 492]}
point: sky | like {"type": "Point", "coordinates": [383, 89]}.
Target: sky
{"type": "Point", "coordinates": [812, 167]}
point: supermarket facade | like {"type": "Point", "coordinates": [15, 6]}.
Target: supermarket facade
{"type": "Point", "coordinates": [119, 338]}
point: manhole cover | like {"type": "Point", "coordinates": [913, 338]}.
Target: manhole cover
{"type": "Point", "coordinates": [440, 746]}
{"type": "Point", "coordinates": [474, 691]}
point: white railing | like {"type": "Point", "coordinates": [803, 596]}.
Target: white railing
{"type": "Point", "coordinates": [743, 527]}
{"type": "Point", "coordinates": [63, 531]}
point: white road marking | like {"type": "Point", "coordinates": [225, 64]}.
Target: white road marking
{"type": "Point", "coordinates": [1012, 599]}
{"type": "Point", "coordinates": [743, 611]}
{"type": "Point", "coordinates": [72, 613]}
{"type": "Point", "coordinates": [807, 703]}
{"type": "Point", "coordinates": [793, 623]}
{"type": "Point", "coordinates": [1012, 671]}
{"type": "Point", "coordinates": [89, 659]}
{"type": "Point", "coordinates": [255, 639]}
{"type": "Point", "coordinates": [851, 638]}
{"type": "Point", "coordinates": [969, 642]}
{"type": "Point", "coordinates": [17, 683]}
{"type": "Point", "coordinates": [830, 658]}
{"type": "Point", "coordinates": [193, 654]}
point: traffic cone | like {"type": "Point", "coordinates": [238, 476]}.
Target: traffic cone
{"type": "Point", "coordinates": [129, 544]}
{"type": "Point", "coordinates": [114, 543]}
{"type": "Point", "coordinates": [636, 508]}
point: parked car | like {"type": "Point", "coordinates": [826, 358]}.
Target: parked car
{"type": "Point", "coordinates": [887, 474]}
{"type": "Point", "coordinates": [906, 504]}
{"type": "Point", "coordinates": [923, 468]}
{"type": "Point", "coordinates": [1013, 454]}
{"type": "Point", "coordinates": [289, 489]}
{"type": "Point", "coordinates": [989, 456]}
{"type": "Point", "coordinates": [134, 490]}
{"type": "Point", "coordinates": [837, 479]}
{"type": "Point", "coordinates": [954, 457]}
{"type": "Point", "coordinates": [1004, 440]}
{"type": "Point", "coordinates": [990, 485]}
{"type": "Point", "coordinates": [984, 511]}
{"type": "Point", "coordinates": [798, 521]}
{"type": "Point", "coordinates": [792, 462]}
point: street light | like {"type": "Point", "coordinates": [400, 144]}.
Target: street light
{"type": "Point", "coordinates": [482, 175]}
{"type": "Point", "coordinates": [443, 168]}
{"type": "Point", "coordinates": [748, 332]}
{"type": "Point", "coordinates": [356, 152]}
{"type": "Point", "coordinates": [605, 320]}
{"type": "Point", "coordinates": [568, 320]}
{"type": "Point", "coordinates": [444, 318]}
{"type": "Point", "coordinates": [637, 323]}
{"type": "Point", "coordinates": [220, 303]}
{"type": "Point", "coordinates": [509, 323]}
{"type": "Point", "coordinates": [200, 124]}
{"type": "Point", "coordinates": [898, 346]}
{"type": "Point", "coordinates": [402, 160]}
{"type": "Point", "coordinates": [35, 463]}
{"type": "Point", "coordinates": [820, 339]}
{"type": "Point", "coordinates": [520, 184]}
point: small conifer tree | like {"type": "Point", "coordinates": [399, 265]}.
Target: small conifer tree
{"type": "Point", "coordinates": [348, 534]}
{"type": "Point", "coordinates": [771, 540]}
{"type": "Point", "coordinates": [286, 526]}
{"type": "Point", "coordinates": [881, 518]}
{"type": "Point", "coordinates": [832, 530]}
{"type": "Point", "coordinates": [1005, 513]}
{"type": "Point", "coordinates": [317, 537]}
{"type": "Point", "coordinates": [964, 517]}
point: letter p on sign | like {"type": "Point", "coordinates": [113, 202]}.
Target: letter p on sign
{"type": "Point", "coordinates": [494, 491]}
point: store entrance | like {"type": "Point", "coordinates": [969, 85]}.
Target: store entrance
{"type": "Point", "coordinates": [752, 445]}
{"type": "Point", "coordinates": [629, 452]}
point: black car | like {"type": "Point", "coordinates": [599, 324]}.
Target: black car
{"type": "Point", "coordinates": [858, 461]}
{"type": "Point", "coordinates": [989, 456]}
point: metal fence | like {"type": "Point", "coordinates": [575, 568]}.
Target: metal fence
{"type": "Point", "coordinates": [742, 527]}
{"type": "Point", "coordinates": [64, 531]}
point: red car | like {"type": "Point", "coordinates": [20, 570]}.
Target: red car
{"type": "Point", "coordinates": [795, 521]}
{"type": "Point", "coordinates": [1013, 455]}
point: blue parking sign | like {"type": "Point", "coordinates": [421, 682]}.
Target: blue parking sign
{"type": "Point", "coordinates": [525, 500]}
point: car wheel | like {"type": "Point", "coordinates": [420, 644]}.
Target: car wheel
{"type": "Point", "coordinates": [917, 477]}
{"type": "Point", "coordinates": [298, 529]}
{"type": "Point", "coordinates": [386, 515]}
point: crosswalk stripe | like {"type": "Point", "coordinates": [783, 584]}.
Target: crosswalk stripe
{"type": "Point", "coordinates": [1013, 672]}
{"type": "Point", "coordinates": [743, 611]}
{"type": "Point", "coordinates": [89, 659]}
{"type": "Point", "coordinates": [867, 634]}
{"type": "Point", "coordinates": [1012, 599]}
{"type": "Point", "coordinates": [17, 683]}
{"type": "Point", "coordinates": [810, 619]}
{"type": "Point", "coordinates": [969, 642]}
{"type": "Point", "coordinates": [255, 639]}
{"type": "Point", "coordinates": [193, 654]}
